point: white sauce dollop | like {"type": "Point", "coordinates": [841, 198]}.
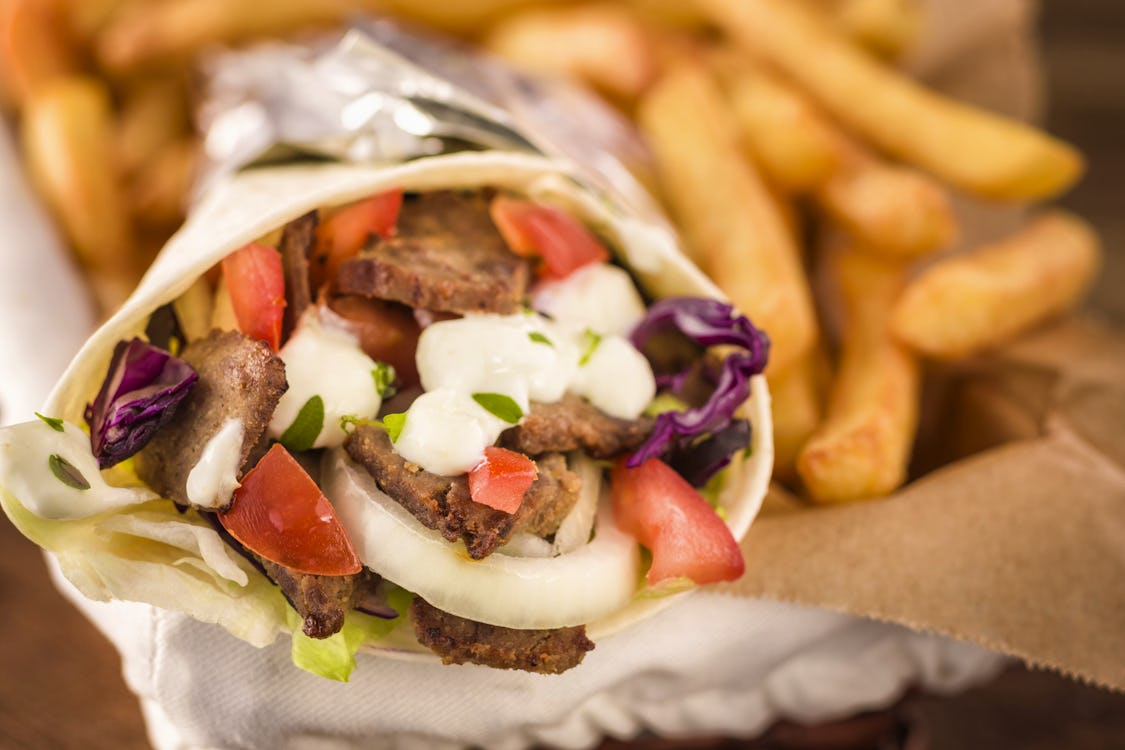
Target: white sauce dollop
{"type": "Point", "coordinates": [326, 361]}
{"type": "Point", "coordinates": [599, 296]}
{"type": "Point", "coordinates": [526, 357]}
{"type": "Point", "coordinates": [214, 478]}
{"type": "Point", "coordinates": [25, 472]}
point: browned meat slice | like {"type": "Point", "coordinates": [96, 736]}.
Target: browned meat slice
{"type": "Point", "coordinates": [444, 504]}
{"type": "Point", "coordinates": [239, 378]}
{"type": "Point", "coordinates": [457, 641]}
{"type": "Point", "coordinates": [446, 256]}
{"type": "Point", "coordinates": [298, 240]}
{"type": "Point", "coordinates": [573, 423]}
{"type": "Point", "coordinates": [321, 601]}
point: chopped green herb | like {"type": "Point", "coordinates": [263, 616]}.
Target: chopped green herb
{"type": "Point", "coordinates": [384, 376]}
{"type": "Point", "coordinates": [302, 434]}
{"type": "Point", "coordinates": [592, 339]}
{"type": "Point", "coordinates": [67, 473]}
{"type": "Point", "coordinates": [52, 422]}
{"type": "Point", "coordinates": [393, 423]}
{"type": "Point", "coordinates": [500, 406]}
{"type": "Point", "coordinates": [540, 338]}
{"type": "Point", "coordinates": [352, 419]}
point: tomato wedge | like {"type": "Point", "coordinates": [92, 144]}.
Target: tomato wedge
{"type": "Point", "coordinates": [279, 513]}
{"type": "Point", "coordinates": [667, 515]}
{"type": "Point", "coordinates": [502, 479]}
{"type": "Point", "coordinates": [387, 332]}
{"type": "Point", "coordinates": [256, 285]}
{"type": "Point", "coordinates": [344, 233]}
{"type": "Point", "coordinates": [562, 243]}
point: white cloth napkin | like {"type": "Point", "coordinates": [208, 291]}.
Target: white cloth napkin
{"type": "Point", "coordinates": [709, 664]}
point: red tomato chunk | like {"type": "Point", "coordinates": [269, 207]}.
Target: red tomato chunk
{"type": "Point", "coordinates": [562, 243]}
{"type": "Point", "coordinates": [279, 513]}
{"type": "Point", "coordinates": [256, 285]}
{"type": "Point", "coordinates": [502, 479]}
{"type": "Point", "coordinates": [667, 515]}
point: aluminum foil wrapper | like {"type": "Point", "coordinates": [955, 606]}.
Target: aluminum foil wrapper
{"type": "Point", "coordinates": [380, 93]}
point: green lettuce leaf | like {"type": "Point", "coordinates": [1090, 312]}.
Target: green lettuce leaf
{"type": "Point", "coordinates": [334, 657]}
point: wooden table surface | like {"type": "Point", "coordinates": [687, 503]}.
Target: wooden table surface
{"type": "Point", "coordinates": [60, 681]}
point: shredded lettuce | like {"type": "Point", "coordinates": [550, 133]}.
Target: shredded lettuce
{"type": "Point", "coordinates": [151, 553]}
{"type": "Point", "coordinates": [334, 657]}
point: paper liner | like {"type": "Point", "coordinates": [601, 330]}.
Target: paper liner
{"type": "Point", "coordinates": [257, 201]}
{"type": "Point", "coordinates": [1019, 547]}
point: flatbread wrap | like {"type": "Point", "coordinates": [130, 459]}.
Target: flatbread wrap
{"type": "Point", "coordinates": [487, 512]}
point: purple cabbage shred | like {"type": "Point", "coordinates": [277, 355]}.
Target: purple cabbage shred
{"type": "Point", "coordinates": [705, 322]}
{"type": "Point", "coordinates": [142, 389]}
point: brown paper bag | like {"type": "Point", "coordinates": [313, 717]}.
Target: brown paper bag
{"type": "Point", "coordinates": [1019, 546]}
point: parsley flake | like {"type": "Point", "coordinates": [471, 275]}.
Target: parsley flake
{"type": "Point", "coordinates": [540, 338]}
{"type": "Point", "coordinates": [67, 473]}
{"type": "Point", "coordinates": [384, 376]}
{"type": "Point", "coordinates": [500, 406]}
{"type": "Point", "coordinates": [53, 422]}
{"type": "Point", "coordinates": [306, 427]}
{"type": "Point", "coordinates": [593, 339]}
{"type": "Point", "coordinates": [393, 423]}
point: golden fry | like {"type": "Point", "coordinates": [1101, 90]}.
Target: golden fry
{"type": "Point", "coordinates": [67, 142]}
{"type": "Point", "coordinates": [149, 33]}
{"type": "Point", "coordinates": [981, 152]}
{"type": "Point", "coordinates": [896, 211]}
{"type": "Point", "coordinates": [884, 27]}
{"type": "Point", "coordinates": [789, 139]}
{"type": "Point", "coordinates": [601, 45]}
{"type": "Point", "coordinates": [862, 448]}
{"type": "Point", "coordinates": [153, 115]}
{"type": "Point", "coordinates": [159, 192]}
{"type": "Point", "coordinates": [796, 407]}
{"type": "Point", "coordinates": [34, 48]}
{"type": "Point", "coordinates": [966, 303]}
{"type": "Point", "coordinates": [728, 216]}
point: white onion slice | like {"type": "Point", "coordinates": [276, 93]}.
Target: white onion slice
{"type": "Point", "coordinates": [527, 545]}
{"type": "Point", "coordinates": [516, 592]}
{"type": "Point", "coordinates": [574, 531]}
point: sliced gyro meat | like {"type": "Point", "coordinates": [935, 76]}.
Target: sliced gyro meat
{"type": "Point", "coordinates": [459, 641]}
{"type": "Point", "coordinates": [321, 601]}
{"type": "Point", "coordinates": [446, 256]}
{"type": "Point", "coordinates": [298, 240]}
{"type": "Point", "coordinates": [443, 503]}
{"type": "Point", "coordinates": [573, 423]}
{"type": "Point", "coordinates": [223, 419]}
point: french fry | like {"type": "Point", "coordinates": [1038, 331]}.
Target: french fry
{"type": "Point", "coordinates": [153, 114]}
{"type": "Point", "coordinates": [599, 44]}
{"type": "Point", "coordinates": [796, 407]}
{"type": "Point", "coordinates": [464, 17]}
{"type": "Point", "coordinates": [730, 221]}
{"type": "Point", "coordinates": [159, 191]}
{"type": "Point", "coordinates": [790, 140]}
{"type": "Point", "coordinates": [893, 210]}
{"type": "Point", "coordinates": [983, 153]}
{"type": "Point", "coordinates": [159, 33]}
{"type": "Point", "coordinates": [67, 142]}
{"type": "Point", "coordinates": [35, 46]}
{"type": "Point", "coordinates": [862, 448]}
{"type": "Point", "coordinates": [970, 302]}
{"type": "Point", "coordinates": [884, 27]}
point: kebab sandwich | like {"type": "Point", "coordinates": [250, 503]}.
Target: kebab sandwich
{"type": "Point", "coordinates": [461, 406]}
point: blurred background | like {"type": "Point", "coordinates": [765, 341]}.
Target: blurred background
{"type": "Point", "coordinates": [60, 683]}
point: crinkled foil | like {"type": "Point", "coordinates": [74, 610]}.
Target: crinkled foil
{"type": "Point", "coordinates": [382, 94]}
